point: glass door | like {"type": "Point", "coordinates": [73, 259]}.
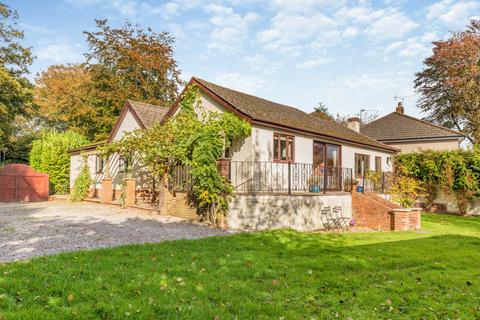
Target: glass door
{"type": "Point", "coordinates": [326, 162]}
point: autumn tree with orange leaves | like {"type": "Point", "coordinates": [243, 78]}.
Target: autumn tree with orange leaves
{"type": "Point", "coordinates": [62, 97]}
{"type": "Point", "coordinates": [450, 83]}
{"type": "Point", "coordinates": [122, 63]}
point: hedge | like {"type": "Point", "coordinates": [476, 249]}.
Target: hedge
{"type": "Point", "coordinates": [50, 155]}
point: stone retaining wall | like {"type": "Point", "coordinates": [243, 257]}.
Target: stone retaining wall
{"type": "Point", "coordinates": [275, 211]}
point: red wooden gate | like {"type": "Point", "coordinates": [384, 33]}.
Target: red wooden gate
{"type": "Point", "coordinates": [19, 182]}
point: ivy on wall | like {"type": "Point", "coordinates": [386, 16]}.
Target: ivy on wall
{"type": "Point", "coordinates": [193, 137]}
{"type": "Point", "coordinates": [457, 173]}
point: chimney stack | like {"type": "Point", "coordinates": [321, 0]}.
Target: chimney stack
{"type": "Point", "coordinates": [400, 108]}
{"type": "Point", "coordinates": [354, 124]}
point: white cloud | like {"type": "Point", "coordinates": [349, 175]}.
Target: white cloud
{"type": "Point", "coordinates": [287, 31]}
{"type": "Point", "coordinates": [60, 53]}
{"type": "Point", "coordinates": [241, 82]}
{"type": "Point", "coordinates": [139, 9]}
{"type": "Point", "coordinates": [394, 25]}
{"type": "Point", "coordinates": [453, 13]}
{"type": "Point", "coordinates": [305, 5]}
{"type": "Point", "coordinates": [350, 32]}
{"type": "Point", "coordinates": [126, 8]}
{"type": "Point", "coordinates": [312, 63]}
{"type": "Point", "coordinates": [230, 28]}
{"type": "Point", "coordinates": [30, 28]}
{"type": "Point", "coordinates": [367, 81]}
{"type": "Point", "coordinates": [412, 47]}
{"type": "Point", "coordinates": [83, 3]}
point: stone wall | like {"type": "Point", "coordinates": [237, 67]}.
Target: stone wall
{"type": "Point", "coordinates": [276, 211]}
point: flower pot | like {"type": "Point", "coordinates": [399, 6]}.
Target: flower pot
{"type": "Point", "coordinates": [314, 188]}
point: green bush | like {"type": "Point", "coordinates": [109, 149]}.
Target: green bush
{"type": "Point", "coordinates": [457, 173]}
{"type": "Point", "coordinates": [82, 184]}
{"type": "Point", "coordinates": [50, 155]}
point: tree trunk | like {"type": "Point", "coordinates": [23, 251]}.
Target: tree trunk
{"type": "Point", "coordinates": [161, 192]}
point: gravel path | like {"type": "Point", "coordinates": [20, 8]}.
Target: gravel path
{"type": "Point", "coordinates": [37, 229]}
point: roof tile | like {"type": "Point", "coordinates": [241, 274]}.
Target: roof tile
{"type": "Point", "coordinates": [399, 126]}
{"type": "Point", "coordinates": [276, 113]}
{"type": "Point", "coordinates": [148, 114]}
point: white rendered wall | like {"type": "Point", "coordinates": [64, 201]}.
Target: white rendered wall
{"type": "Point", "coordinates": [299, 212]}
{"type": "Point", "coordinates": [128, 124]}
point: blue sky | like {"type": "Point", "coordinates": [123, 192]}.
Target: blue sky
{"type": "Point", "coordinates": [347, 54]}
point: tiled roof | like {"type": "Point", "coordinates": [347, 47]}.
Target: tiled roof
{"type": "Point", "coordinates": [399, 126]}
{"type": "Point", "coordinates": [148, 114]}
{"type": "Point", "coordinates": [274, 113]}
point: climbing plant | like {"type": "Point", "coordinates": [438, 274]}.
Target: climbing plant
{"type": "Point", "coordinates": [193, 137]}
{"type": "Point", "coordinates": [456, 173]}
{"type": "Point", "coordinates": [83, 182]}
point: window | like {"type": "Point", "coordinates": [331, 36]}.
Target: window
{"type": "Point", "coordinates": [283, 146]}
{"type": "Point", "coordinates": [122, 164]}
{"type": "Point", "coordinates": [98, 164]}
{"type": "Point", "coordinates": [378, 164]}
{"type": "Point", "coordinates": [362, 164]}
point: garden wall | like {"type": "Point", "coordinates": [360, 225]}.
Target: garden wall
{"type": "Point", "coordinates": [371, 211]}
{"type": "Point", "coordinates": [446, 204]}
{"type": "Point", "coordinates": [275, 211]}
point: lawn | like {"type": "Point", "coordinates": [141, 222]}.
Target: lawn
{"type": "Point", "coordinates": [268, 275]}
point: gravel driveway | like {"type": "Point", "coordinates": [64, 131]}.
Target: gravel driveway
{"type": "Point", "coordinates": [37, 229]}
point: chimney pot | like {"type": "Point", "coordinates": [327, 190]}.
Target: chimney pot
{"type": "Point", "coordinates": [400, 108]}
{"type": "Point", "coordinates": [354, 124]}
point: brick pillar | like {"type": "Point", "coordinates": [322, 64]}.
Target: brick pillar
{"type": "Point", "coordinates": [223, 166]}
{"type": "Point", "coordinates": [107, 191]}
{"type": "Point", "coordinates": [93, 192]}
{"type": "Point", "coordinates": [130, 191]}
{"type": "Point", "coordinates": [405, 219]}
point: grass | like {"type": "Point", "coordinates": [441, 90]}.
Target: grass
{"type": "Point", "coordinates": [268, 275]}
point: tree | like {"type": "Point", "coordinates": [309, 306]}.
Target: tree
{"type": "Point", "coordinates": [194, 137]}
{"type": "Point", "coordinates": [321, 112]}
{"type": "Point", "coordinates": [50, 154]}
{"type": "Point", "coordinates": [16, 92]}
{"type": "Point", "coordinates": [450, 83]}
{"type": "Point", "coordinates": [63, 98]}
{"type": "Point", "coordinates": [129, 63]}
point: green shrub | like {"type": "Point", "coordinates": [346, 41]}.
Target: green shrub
{"type": "Point", "coordinates": [50, 155]}
{"type": "Point", "coordinates": [457, 173]}
{"type": "Point", "coordinates": [82, 184]}
{"type": "Point", "coordinates": [404, 189]}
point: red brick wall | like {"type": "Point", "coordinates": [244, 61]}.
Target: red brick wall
{"type": "Point", "coordinates": [369, 212]}
{"type": "Point", "coordinates": [177, 206]}
{"type": "Point", "coordinates": [373, 211]}
{"type": "Point", "coordinates": [406, 220]}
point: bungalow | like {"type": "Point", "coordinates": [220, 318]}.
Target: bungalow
{"type": "Point", "coordinates": [291, 166]}
{"type": "Point", "coordinates": [410, 134]}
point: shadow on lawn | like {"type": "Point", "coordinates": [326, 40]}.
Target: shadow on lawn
{"type": "Point", "coordinates": [267, 274]}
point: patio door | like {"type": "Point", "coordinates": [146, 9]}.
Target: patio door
{"type": "Point", "coordinates": [327, 162]}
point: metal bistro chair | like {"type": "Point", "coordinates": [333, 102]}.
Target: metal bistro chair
{"type": "Point", "coordinates": [341, 220]}
{"type": "Point", "coordinates": [329, 222]}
